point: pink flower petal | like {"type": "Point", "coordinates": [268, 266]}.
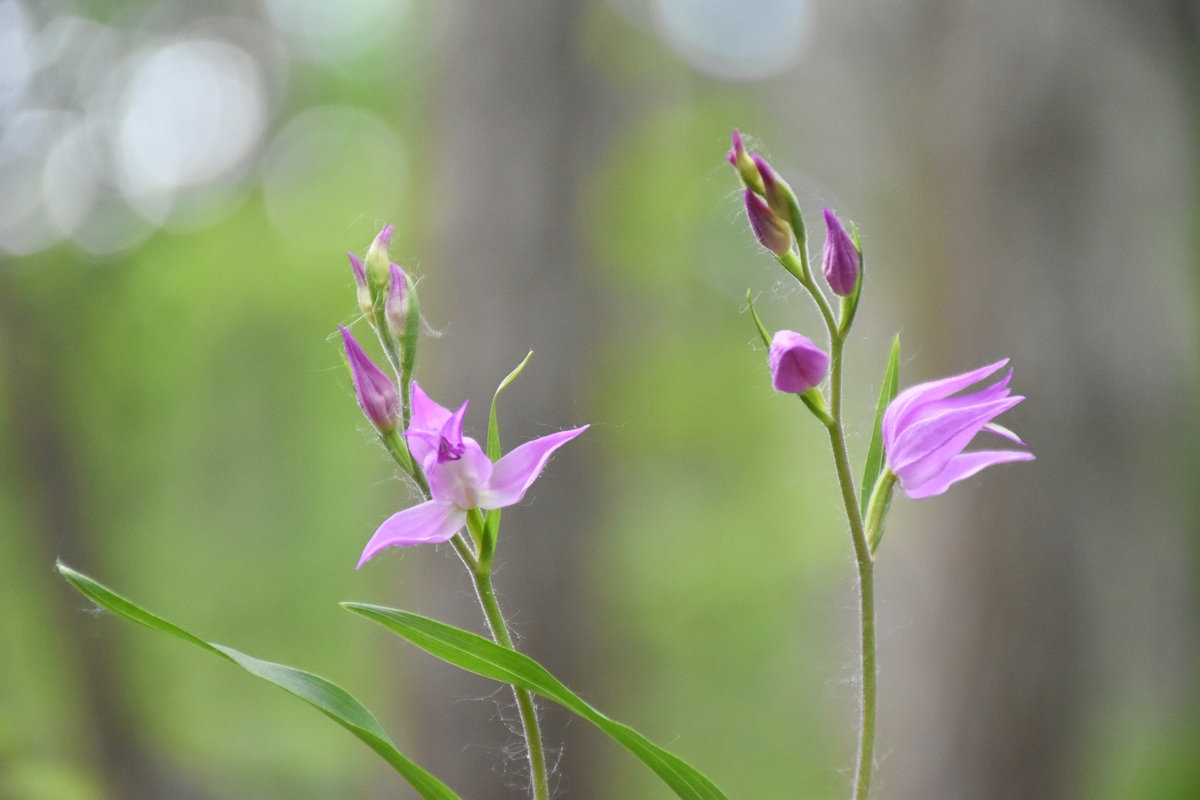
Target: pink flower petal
{"type": "Point", "coordinates": [915, 396]}
{"type": "Point", "coordinates": [421, 524]}
{"type": "Point", "coordinates": [513, 474]}
{"type": "Point", "coordinates": [964, 466]}
{"type": "Point", "coordinates": [427, 417]}
{"type": "Point", "coordinates": [922, 450]}
{"type": "Point", "coordinates": [460, 480]}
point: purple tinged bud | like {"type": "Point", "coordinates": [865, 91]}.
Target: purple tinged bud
{"type": "Point", "coordinates": [841, 258]}
{"type": "Point", "coordinates": [396, 308]}
{"type": "Point", "coordinates": [772, 187]}
{"type": "Point", "coordinates": [377, 256]}
{"type": "Point", "coordinates": [360, 283]}
{"type": "Point", "coordinates": [741, 161]}
{"type": "Point", "coordinates": [770, 230]}
{"type": "Point", "coordinates": [375, 390]}
{"type": "Point", "coordinates": [797, 364]}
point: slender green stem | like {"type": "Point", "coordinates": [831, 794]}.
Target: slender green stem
{"type": "Point", "coordinates": [862, 550]}
{"type": "Point", "coordinates": [529, 721]}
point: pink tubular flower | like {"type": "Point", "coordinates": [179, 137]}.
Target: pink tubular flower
{"type": "Point", "coordinates": [461, 476]}
{"type": "Point", "coordinates": [771, 231]}
{"type": "Point", "coordinates": [840, 263]}
{"type": "Point", "coordinates": [925, 431]}
{"type": "Point", "coordinates": [797, 364]}
{"type": "Point", "coordinates": [375, 390]}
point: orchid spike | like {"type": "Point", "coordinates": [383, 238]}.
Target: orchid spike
{"type": "Point", "coordinates": [797, 364]}
{"type": "Point", "coordinates": [395, 309]}
{"type": "Point", "coordinates": [741, 161]}
{"type": "Point", "coordinates": [925, 431]}
{"type": "Point", "coordinates": [841, 260]}
{"type": "Point", "coordinates": [377, 256]}
{"type": "Point", "coordinates": [461, 476]}
{"type": "Point", "coordinates": [771, 230]}
{"type": "Point", "coordinates": [360, 284]}
{"type": "Point", "coordinates": [375, 390]}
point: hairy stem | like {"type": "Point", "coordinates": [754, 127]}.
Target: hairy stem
{"type": "Point", "coordinates": [862, 549]}
{"type": "Point", "coordinates": [529, 721]}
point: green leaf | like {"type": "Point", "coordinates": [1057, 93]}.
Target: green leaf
{"type": "Point", "coordinates": [493, 437]}
{"type": "Point", "coordinates": [483, 657]}
{"type": "Point", "coordinates": [887, 393]}
{"type": "Point", "coordinates": [329, 698]}
{"type": "Point", "coordinates": [762, 331]}
{"type": "Point", "coordinates": [492, 521]}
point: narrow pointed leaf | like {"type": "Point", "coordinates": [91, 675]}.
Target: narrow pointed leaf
{"type": "Point", "coordinates": [762, 331]}
{"type": "Point", "coordinates": [328, 698]}
{"type": "Point", "coordinates": [493, 437]}
{"type": "Point", "coordinates": [492, 526]}
{"type": "Point", "coordinates": [887, 393]}
{"type": "Point", "coordinates": [483, 657]}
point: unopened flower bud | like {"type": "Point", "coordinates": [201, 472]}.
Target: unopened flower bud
{"type": "Point", "coordinates": [773, 185]}
{"type": "Point", "coordinates": [360, 284]}
{"type": "Point", "coordinates": [377, 256]}
{"type": "Point", "coordinates": [375, 390]}
{"type": "Point", "coordinates": [797, 364]}
{"type": "Point", "coordinates": [396, 307]}
{"type": "Point", "coordinates": [771, 230]}
{"type": "Point", "coordinates": [742, 162]}
{"type": "Point", "coordinates": [841, 258]}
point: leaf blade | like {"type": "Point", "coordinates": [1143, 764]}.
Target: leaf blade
{"type": "Point", "coordinates": [327, 697]}
{"type": "Point", "coordinates": [483, 657]}
{"type": "Point", "coordinates": [875, 454]}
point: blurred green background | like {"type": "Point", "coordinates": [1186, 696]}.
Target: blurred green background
{"type": "Point", "coordinates": [178, 182]}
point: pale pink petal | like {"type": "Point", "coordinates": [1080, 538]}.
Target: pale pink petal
{"type": "Point", "coordinates": [421, 524]}
{"type": "Point", "coordinates": [459, 480]}
{"type": "Point", "coordinates": [923, 449]}
{"type": "Point", "coordinates": [513, 474]}
{"type": "Point", "coordinates": [915, 396]}
{"type": "Point", "coordinates": [427, 417]}
{"type": "Point", "coordinates": [964, 466]}
{"type": "Point", "coordinates": [1000, 430]}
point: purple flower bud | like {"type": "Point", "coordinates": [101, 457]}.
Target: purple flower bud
{"type": "Point", "coordinates": [396, 308]}
{"type": "Point", "coordinates": [740, 160]}
{"type": "Point", "coordinates": [797, 364]}
{"type": "Point", "coordinates": [840, 263]}
{"type": "Point", "coordinates": [377, 256]}
{"type": "Point", "coordinates": [375, 390]}
{"type": "Point", "coordinates": [360, 283]}
{"type": "Point", "coordinates": [772, 187]}
{"type": "Point", "coordinates": [770, 230]}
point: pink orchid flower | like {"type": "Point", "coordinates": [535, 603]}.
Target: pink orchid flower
{"type": "Point", "coordinates": [461, 476]}
{"type": "Point", "coordinates": [925, 431]}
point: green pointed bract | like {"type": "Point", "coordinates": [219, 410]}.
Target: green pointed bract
{"type": "Point", "coordinates": [875, 454]}
{"type": "Point", "coordinates": [330, 699]}
{"type": "Point", "coordinates": [766, 337]}
{"type": "Point", "coordinates": [475, 654]}
{"type": "Point", "coordinates": [492, 521]}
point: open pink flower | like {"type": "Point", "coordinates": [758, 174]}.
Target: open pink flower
{"type": "Point", "coordinates": [461, 476]}
{"type": "Point", "coordinates": [925, 431]}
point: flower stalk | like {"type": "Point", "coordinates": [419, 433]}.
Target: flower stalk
{"type": "Point", "coordinates": [832, 419]}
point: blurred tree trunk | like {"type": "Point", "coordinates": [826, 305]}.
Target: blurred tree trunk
{"type": "Point", "coordinates": [1056, 150]}
{"type": "Point", "coordinates": [507, 277]}
{"type": "Point", "coordinates": [52, 478]}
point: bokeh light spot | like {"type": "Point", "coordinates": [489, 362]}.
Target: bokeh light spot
{"type": "Point", "coordinates": [733, 39]}
{"type": "Point", "coordinates": [329, 168]}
